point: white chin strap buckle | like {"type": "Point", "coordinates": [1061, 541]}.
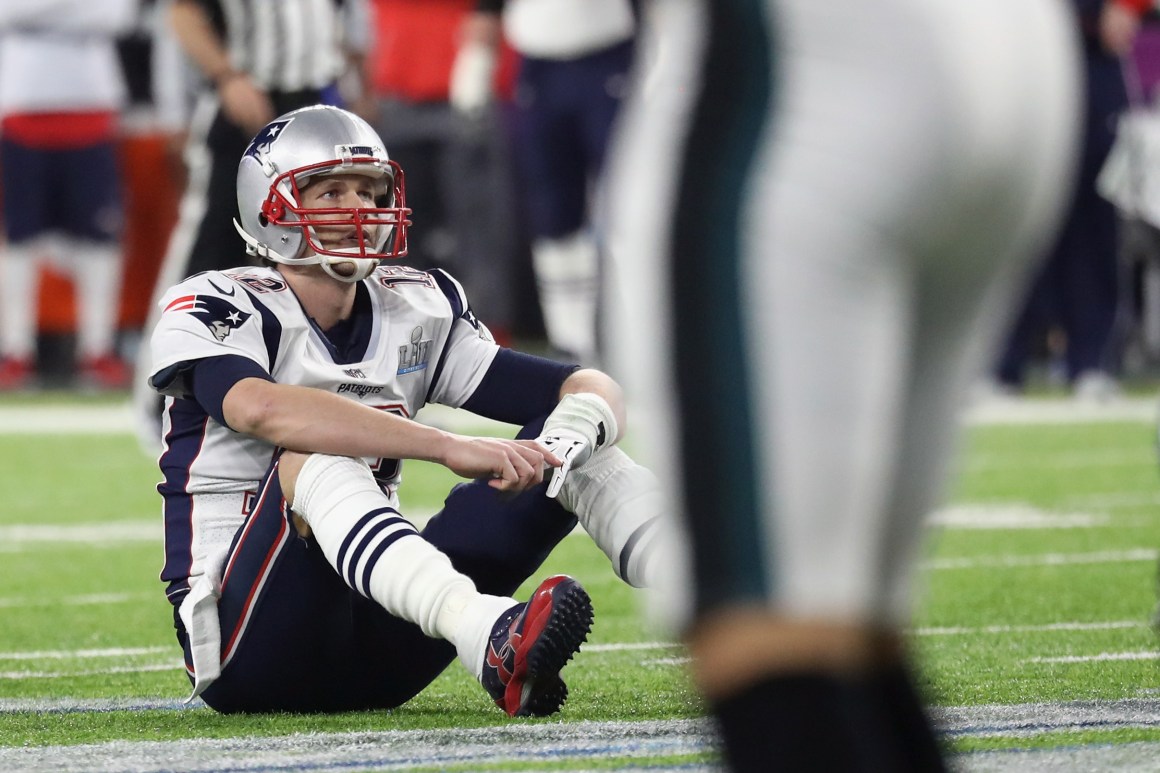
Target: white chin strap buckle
{"type": "Point", "coordinates": [363, 267]}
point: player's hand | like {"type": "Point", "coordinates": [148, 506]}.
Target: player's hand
{"type": "Point", "coordinates": [244, 103]}
{"type": "Point", "coordinates": [473, 70]}
{"type": "Point", "coordinates": [510, 465]}
{"type": "Point", "coordinates": [1118, 28]}
{"type": "Point", "coordinates": [582, 424]}
{"type": "Point", "coordinates": [470, 88]}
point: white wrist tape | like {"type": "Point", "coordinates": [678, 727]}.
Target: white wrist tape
{"type": "Point", "coordinates": [588, 414]}
{"type": "Point", "coordinates": [581, 425]}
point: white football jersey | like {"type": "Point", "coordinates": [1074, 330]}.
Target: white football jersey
{"type": "Point", "coordinates": [424, 346]}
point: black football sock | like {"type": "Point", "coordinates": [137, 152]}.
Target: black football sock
{"type": "Point", "coordinates": [920, 748]}
{"type": "Point", "coordinates": [805, 722]}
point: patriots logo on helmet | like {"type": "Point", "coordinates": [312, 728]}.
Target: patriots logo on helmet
{"type": "Point", "coordinates": [350, 151]}
{"type": "Point", "coordinates": [260, 145]}
{"type": "Point", "coordinates": [220, 316]}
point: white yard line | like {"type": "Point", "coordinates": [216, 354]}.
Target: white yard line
{"type": "Point", "coordinates": [1046, 628]}
{"type": "Point", "coordinates": [1032, 718]}
{"type": "Point", "coordinates": [88, 599]}
{"type": "Point", "coordinates": [105, 652]}
{"type": "Point", "coordinates": [1098, 658]}
{"type": "Point", "coordinates": [629, 646]}
{"type": "Point", "coordinates": [1013, 516]}
{"type": "Point", "coordinates": [119, 418]}
{"type": "Point", "coordinates": [173, 665]}
{"type": "Point", "coordinates": [88, 533]}
{"type": "Point", "coordinates": [98, 705]}
{"type": "Point", "coordinates": [1061, 411]}
{"type": "Point", "coordinates": [581, 744]}
{"type": "Point", "coordinates": [1134, 555]}
{"type": "Point", "coordinates": [1079, 460]}
{"type": "Point", "coordinates": [66, 420]}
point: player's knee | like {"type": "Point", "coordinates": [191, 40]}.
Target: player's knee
{"type": "Point", "coordinates": [289, 467]}
{"type": "Point", "coordinates": [317, 484]}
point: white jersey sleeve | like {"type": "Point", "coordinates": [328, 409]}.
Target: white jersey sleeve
{"type": "Point", "coordinates": [469, 350]}
{"type": "Point", "coordinates": [207, 315]}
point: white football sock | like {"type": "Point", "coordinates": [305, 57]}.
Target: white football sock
{"type": "Point", "coordinates": [381, 555]}
{"type": "Point", "coordinates": [96, 271]}
{"type": "Point", "coordinates": [566, 275]}
{"type": "Point", "coordinates": [619, 504]}
{"type": "Point", "coordinates": [18, 275]}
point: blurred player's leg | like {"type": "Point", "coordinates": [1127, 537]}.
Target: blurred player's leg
{"type": "Point", "coordinates": [26, 223]}
{"type": "Point", "coordinates": [554, 184]}
{"type": "Point", "coordinates": [566, 277]}
{"type": "Point", "coordinates": [18, 282]}
{"type": "Point", "coordinates": [92, 218]}
{"type": "Point", "coordinates": [619, 504]}
{"type": "Point", "coordinates": [879, 179]}
{"type": "Point", "coordinates": [97, 266]}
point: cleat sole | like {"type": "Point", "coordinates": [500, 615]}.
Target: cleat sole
{"type": "Point", "coordinates": [543, 692]}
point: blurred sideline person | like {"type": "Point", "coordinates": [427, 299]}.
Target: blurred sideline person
{"type": "Point", "coordinates": [61, 91]}
{"type": "Point", "coordinates": [291, 389]}
{"type": "Point", "coordinates": [458, 161]}
{"type": "Point", "coordinates": [822, 212]}
{"type": "Point", "coordinates": [1078, 287]}
{"type": "Point", "coordinates": [153, 126]}
{"type": "Point", "coordinates": [574, 64]}
{"type": "Point", "coordinates": [257, 59]}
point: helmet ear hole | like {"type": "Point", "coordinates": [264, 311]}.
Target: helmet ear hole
{"type": "Point", "coordinates": [263, 220]}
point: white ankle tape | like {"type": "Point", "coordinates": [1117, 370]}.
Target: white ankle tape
{"type": "Point", "coordinates": [472, 621]}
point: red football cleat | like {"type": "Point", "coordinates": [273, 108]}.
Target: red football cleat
{"type": "Point", "coordinates": [530, 644]}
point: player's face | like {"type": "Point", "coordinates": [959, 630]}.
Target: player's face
{"type": "Point", "coordinates": [341, 191]}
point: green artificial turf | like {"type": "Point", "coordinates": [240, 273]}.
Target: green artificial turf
{"type": "Point", "coordinates": [1048, 554]}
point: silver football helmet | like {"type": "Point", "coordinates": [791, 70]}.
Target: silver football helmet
{"type": "Point", "coordinates": [280, 161]}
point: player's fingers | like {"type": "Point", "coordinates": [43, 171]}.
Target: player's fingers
{"type": "Point", "coordinates": [528, 465]}
{"type": "Point", "coordinates": [536, 455]}
{"type": "Point", "coordinates": [538, 466]}
{"type": "Point", "coordinates": [549, 458]}
{"type": "Point", "coordinates": [504, 476]}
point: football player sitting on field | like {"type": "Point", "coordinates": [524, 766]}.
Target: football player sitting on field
{"type": "Point", "coordinates": [291, 388]}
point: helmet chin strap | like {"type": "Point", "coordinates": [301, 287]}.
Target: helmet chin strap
{"type": "Point", "coordinates": [363, 266]}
